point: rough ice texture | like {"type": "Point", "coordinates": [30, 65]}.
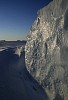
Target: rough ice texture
{"type": "Point", "coordinates": [47, 49]}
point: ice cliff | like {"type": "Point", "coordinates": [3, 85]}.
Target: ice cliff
{"type": "Point", "coordinates": [47, 49]}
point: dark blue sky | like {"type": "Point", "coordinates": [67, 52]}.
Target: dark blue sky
{"type": "Point", "coordinates": [17, 16]}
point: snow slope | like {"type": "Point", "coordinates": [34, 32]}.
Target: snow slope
{"type": "Point", "coordinates": [15, 81]}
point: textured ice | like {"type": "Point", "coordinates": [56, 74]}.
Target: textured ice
{"type": "Point", "coordinates": [47, 49]}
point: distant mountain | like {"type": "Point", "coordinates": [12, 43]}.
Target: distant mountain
{"type": "Point", "coordinates": [47, 49]}
{"type": "Point", "coordinates": [4, 43]}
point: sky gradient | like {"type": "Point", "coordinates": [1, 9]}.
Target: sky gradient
{"type": "Point", "coordinates": [17, 16]}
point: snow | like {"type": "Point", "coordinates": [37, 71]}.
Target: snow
{"type": "Point", "coordinates": [15, 81]}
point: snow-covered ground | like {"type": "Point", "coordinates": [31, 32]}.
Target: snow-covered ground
{"type": "Point", "coordinates": [15, 81]}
